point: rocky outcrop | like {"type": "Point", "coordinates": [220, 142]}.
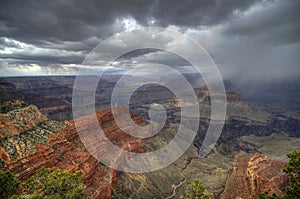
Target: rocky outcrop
{"type": "Point", "coordinates": [58, 112]}
{"type": "Point", "coordinates": [253, 175]}
{"type": "Point", "coordinates": [25, 153]}
{"type": "Point", "coordinates": [203, 94]}
{"type": "Point", "coordinates": [19, 120]}
{"type": "Point", "coordinates": [233, 97]}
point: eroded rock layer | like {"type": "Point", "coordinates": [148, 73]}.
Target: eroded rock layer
{"type": "Point", "coordinates": [253, 175]}
{"type": "Point", "coordinates": [61, 147]}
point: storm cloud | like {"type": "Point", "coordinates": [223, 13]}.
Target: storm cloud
{"type": "Point", "coordinates": [249, 40]}
{"type": "Point", "coordinates": [74, 20]}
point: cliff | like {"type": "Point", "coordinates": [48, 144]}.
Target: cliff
{"type": "Point", "coordinates": [57, 145]}
{"type": "Point", "coordinates": [16, 118]}
{"type": "Point", "coordinates": [253, 175]}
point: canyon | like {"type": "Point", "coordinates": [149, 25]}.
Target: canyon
{"type": "Point", "coordinates": [37, 130]}
{"type": "Point", "coordinates": [53, 144]}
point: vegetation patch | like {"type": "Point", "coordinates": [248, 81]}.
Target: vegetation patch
{"type": "Point", "coordinates": [7, 106]}
{"type": "Point", "coordinates": [56, 183]}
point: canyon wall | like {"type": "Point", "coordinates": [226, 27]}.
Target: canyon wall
{"type": "Point", "coordinates": [253, 175]}
{"type": "Point", "coordinates": [57, 145]}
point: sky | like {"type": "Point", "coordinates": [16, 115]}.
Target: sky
{"type": "Point", "coordinates": [248, 40]}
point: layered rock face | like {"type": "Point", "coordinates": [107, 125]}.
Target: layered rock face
{"type": "Point", "coordinates": [253, 175]}
{"type": "Point", "coordinates": [19, 120]}
{"type": "Point", "coordinates": [56, 145]}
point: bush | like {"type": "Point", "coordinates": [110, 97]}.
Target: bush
{"type": "Point", "coordinates": [292, 168]}
{"type": "Point", "coordinates": [265, 195]}
{"type": "Point", "coordinates": [33, 197]}
{"type": "Point", "coordinates": [195, 190]}
{"type": "Point", "coordinates": [9, 184]}
{"type": "Point", "coordinates": [58, 183]}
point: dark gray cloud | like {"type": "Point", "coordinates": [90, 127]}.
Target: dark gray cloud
{"type": "Point", "coordinates": [262, 43]}
{"type": "Point", "coordinates": [193, 12]}
{"type": "Point", "coordinates": [73, 20]}
{"type": "Point", "coordinates": [241, 35]}
{"type": "Point", "coordinates": [278, 24]}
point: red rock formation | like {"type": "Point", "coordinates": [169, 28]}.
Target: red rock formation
{"type": "Point", "coordinates": [54, 109]}
{"type": "Point", "coordinates": [65, 150]}
{"type": "Point", "coordinates": [253, 175]}
{"type": "Point", "coordinates": [20, 120]}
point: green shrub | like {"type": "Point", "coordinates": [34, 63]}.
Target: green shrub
{"type": "Point", "coordinates": [33, 196]}
{"type": "Point", "coordinates": [292, 168]}
{"type": "Point", "coordinates": [196, 190]}
{"type": "Point", "coordinates": [9, 184]}
{"type": "Point", "coordinates": [59, 183]}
